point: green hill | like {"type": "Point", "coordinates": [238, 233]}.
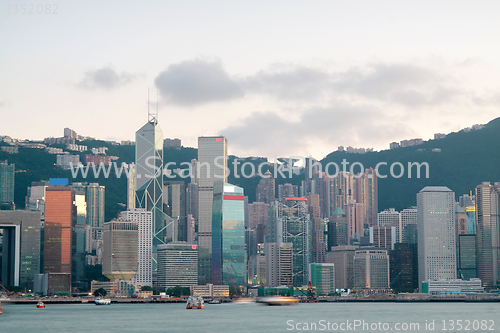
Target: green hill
{"type": "Point", "coordinates": [466, 159]}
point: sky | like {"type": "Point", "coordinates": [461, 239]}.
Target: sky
{"type": "Point", "coordinates": [277, 78]}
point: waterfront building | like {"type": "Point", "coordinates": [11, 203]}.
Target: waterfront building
{"type": "Point", "coordinates": [278, 264]}
{"type": "Point", "coordinates": [144, 262]}
{"type": "Point", "coordinates": [466, 256]}
{"type": "Point", "coordinates": [322, 276]}
{"type": "Point", "coordinates": [177, 265]}
{"type": "Point", "coordinates": [436, 234]}
{"type": "Point", "coordinates": [20, 247]}
{"type": "Point", "coordinates": [120, 249]}
{"type": "Point", "coordinates": [401, 268]}
{"type": "Point", "coordinates": [343, 258]}
{"type": "Point", "coordinates": [452, 286]}
{"type": "Point", "coordinates": [210, 167]}
{"type": "Point", "coordinates": [228, 235]}
{"type": "Point", "coordinates": [371, 267]}
{"type": "Point", "coordinates": [58, 230]}
{"type": "Point", "coordinates": [488, 234]}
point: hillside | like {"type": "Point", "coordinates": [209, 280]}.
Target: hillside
{"type": "Point", "coordinates": [466, 159]}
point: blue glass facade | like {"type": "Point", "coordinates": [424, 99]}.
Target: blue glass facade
{"type": "Point", "coordinates": [228, 235]}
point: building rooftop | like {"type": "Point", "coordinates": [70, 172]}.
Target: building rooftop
{"type": "Point", "coordinates": [435, 189]}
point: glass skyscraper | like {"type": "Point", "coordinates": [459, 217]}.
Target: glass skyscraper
{"type": "Point", "coordinates": [6, 183]}
{"type": "Point", "coordinates": [211, 151]}
{"type": "Point", "coordinates": [228, 235]}
{"type": "Point", "coordinates": [149, 176]}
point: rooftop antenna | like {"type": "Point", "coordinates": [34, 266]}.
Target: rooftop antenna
{"type": "Point", "coordinates": [152, 118]}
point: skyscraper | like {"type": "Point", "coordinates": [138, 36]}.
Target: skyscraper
{"type": "Point", "coordinates": [174, 196]}
{"type": "Point", "coordinates": [58, 229]}
{"type": "Point", "coordinates": [367, 194]}
{"type": "Point", "coordinates": [436, 234]}
{"type": "Point", "coordinates": [337, 229]}
{"type": "Point", "coordinates": [266, 189]}
{"type": "Point", "coordinates": [144, 220]}
{"type": "Point", "coordinates": [355, 214]}
{"type": "Point", "coordinates": [318, 246]}
{"type": "Point", "coordinates": [119, 258]}
{"type": "Point", "coordinates": [279, 264]}
{"type": "Point", "coordinates": [6, 183]}
{"type": "Point", "coordinates": [212, 160]}
{"type": "Point", "coordinates": [408, 217]}
{"type": "Point", "coordinates": [401, 268]}
{"type": "Point", "coordinates": [371, 267]}
{"type": "Point", "coordinates": [343, 258]}
{"type": "Point", "coordinates": [466, 256]}
{"type": "Point", "coordinates": [322, 276]}
{"type": "Point", "coordinates": [149, 177]}
{"type": "Point", "coordinates": [228, 236]}
{"type": "Point", "coordinates": [488, 234]}
{"type": "Point", "coordinates": [391, 218]}
{"type": "Point", "coordinates": [287, 190]}
{"type": "Point", "coordinates": [177, 265]}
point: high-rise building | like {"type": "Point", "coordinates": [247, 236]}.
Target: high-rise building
{"type": "Point", "coordinates": [343, 258]}
{"type": "Point", "coordinates": [20, 247]}
{"type": "Point", "coordinates": [371, 267]}
{"type": "Point", "coordinates": [120, 244]}
{"type": "Point", "coordinates": [355, 214]}
{"type": "Point", "coordinates": [81, 231]}
{"type": "Point", "coordinates": [408, 217]}
{"type": "Point", "coordinates": [318, 246]}
{"type": "Point", "coordinates": [144, 262]}
{"type": "Point", "coordinates": [266, 189]}
{"type": "Point", "coordinates": [342, 190]}
{"type": "Point", "coordinates": [287, 190]}
{"type": "Point", "coordinates": [289, 222]}
{"type": "Point", "coordinates": [58, 229]}
{"type": "Point", "coordinates": [488, 234]}
{"type": "Point", "coordinates": [177, 265]}
{"type": "Point", "coordinates": [436, 234]}
{"type": "Point", "coordinates": [460, 222]}
{"type": "Point", "coordinates": [174, 196]}
{"type": "Point", "coordinates": [391, 218]}
{"type": "Point", "coordinates": [6, 183]}
{"type": "Point", "coordinates": [131, 187]}
{"type": "Point", "coordinates": [466, 256]}
{"type": "Point", "coordinates": [471, 219]}
{"type": "Point", "coordinates": [210, 167]}
{"type": "Point", "coordinates": [337, 229]}
{"type": "Point", "coordinates": [322, 276]}
{"type": "Point", "coordinates": [95, 209]}
{"type": "Point", "coordinates": [228, 236]}
{"type": "Point", "coordinates": [257, 214]}
{"type": "Point", "coordinates": [279, 264]}
{"type": "Point", "coordinates": [367, 194]}
{"type": "Point", "coordinates": [149, 177]}
{"type": "Point", "coordinates": [383, 237]}
{"type": "Point", "coordinates": [401, 268]}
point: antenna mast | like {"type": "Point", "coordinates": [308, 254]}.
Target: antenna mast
{"type": "Point", "coordinates": [152, 117]}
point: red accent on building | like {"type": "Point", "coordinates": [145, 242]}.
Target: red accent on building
{"type": "Point", "coordinates": [193, 247]}
{"type": "Point", "coordinates": [218, 139]}
{"type": "Point", "coordinates": [296, 199]}
{"type": "Point", "coordinates": [233, 197]}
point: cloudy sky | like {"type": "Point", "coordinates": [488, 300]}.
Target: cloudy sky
{"type": "Point", "coordinates": [275, 77]}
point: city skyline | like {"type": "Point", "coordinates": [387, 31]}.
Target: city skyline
{"type": "Point", "coordinates": [252, 83]}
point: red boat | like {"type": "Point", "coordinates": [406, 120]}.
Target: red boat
{"type": "Point", "coordinates": [40, 305]}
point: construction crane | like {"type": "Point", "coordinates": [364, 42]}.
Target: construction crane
{"type": "Point", "coordinates": [129, 288]}
{"type": "Point", "coordinates": [394, 280]}
{"type": "Point", "coordinates": [9, 293]}
{"type": "Point", "coordinates": [231, 277]}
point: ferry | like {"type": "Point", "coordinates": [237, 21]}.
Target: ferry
{"type": "Point", "coordinates": [102, 301]}
{"type": "Point", "coordinates": [40, 305]}
{"type": "Point", "coordinates": [279, 300]}
{"type": "Point", "coordinates": [243, 300]}
{"type": "Point", "coordinates": [195, 302]}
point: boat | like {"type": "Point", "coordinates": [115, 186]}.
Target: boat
{"type": "Point", "coordinates": [102, 301]}
{"type": "Point", "coordinates": [1, 312]}
{"type": "Point", "coordinates": [215, 301]}
{"type": "Point", "coordinates": [195, 302]}
{"type": "Point", "coordinates": [243, 300]}
{"type": "Point", "coordinates": [279, 300]}
{"type": "Point", "coordinates": [40, 305]}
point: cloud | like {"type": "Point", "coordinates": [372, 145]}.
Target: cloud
{"type": "Point", "coordinates": [196, 82]}
{"type": "Point", "coordinates": [295, 83]}
{"type": "Point", "coordinates": [269, 133]}
{"type": "Point", "coordinates": [106, 78]}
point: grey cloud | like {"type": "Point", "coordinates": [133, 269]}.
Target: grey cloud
{"type": "Point", "coordinates": [296, 83]}
{"type": "Point", "coordinates": [106, 78]}
{"type": "Point", "coordinates": [269, 133]}
{"type": "Point", "coordinates": [197, 81]}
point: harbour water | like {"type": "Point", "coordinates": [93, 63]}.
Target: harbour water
{"type": "Point", "coordinates": [373, 317]}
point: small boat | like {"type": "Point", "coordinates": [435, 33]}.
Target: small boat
{"type": "Point", "coordinates": [40, 305]}
{"type": "Point", "coordinates": [279, 300]}
{"type": "Point", "coordinates": [195, 302]}
{"type": "Point", "coordinates": [243, 300]}
{"type": "Point", "coordinates": [102, 301]}
{"type": "Point", "coordinates": [215, 301]}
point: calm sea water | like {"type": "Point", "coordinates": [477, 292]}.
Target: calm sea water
{"type": "Point", "coordinates": [248, 317]}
